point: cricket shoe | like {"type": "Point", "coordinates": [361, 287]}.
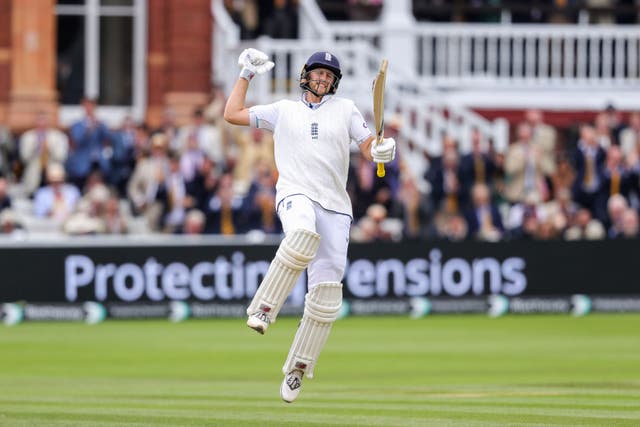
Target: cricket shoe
{"type": "Point", "coordinates": [259, 321]}
{"type": "Point", "coordinates": [291, 385]}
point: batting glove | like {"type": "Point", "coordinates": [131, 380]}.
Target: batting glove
{"type": "Point", "coordinates": [385, 151]}
{"type": "Point", "coordinates": [253, 62]}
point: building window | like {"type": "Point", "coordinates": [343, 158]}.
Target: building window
{"type": "Point", "coordinates": [101, 53]}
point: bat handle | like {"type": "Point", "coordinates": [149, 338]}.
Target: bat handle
{"type": "Point", "coordinates": [381, 171]}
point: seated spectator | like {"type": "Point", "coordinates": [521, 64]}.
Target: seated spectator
{"type": "Point", "coordinates": [114, 221]}
{"type": "Point", "coordinates": [630, 225]}
{"type": "Point", "coordinates": [10, 222]}
{"type": "Point", "coordinates": [584, 226]}
{"type": "Point", "coordinates": [5, 199]}
{"type": "Point", "coordinates": [524, 219]}
{"type": "Point", "coordinates": [414, 210]}
{"type": "Point", "coordinates": [616, 206]}
{"type": "Point", "coordinates": [375, 226]}
{"type": "Point", "coordinates": [483, 219]}
{"type": "Point", "coordinates": [58, 199]}
{"type": "Point", "coordinates": [451, 227]}
{"type": "Point", "coordinates": [39, 148]}
{"type": "Point", "coordinates": [194, 222]}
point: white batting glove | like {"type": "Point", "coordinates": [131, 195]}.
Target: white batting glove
{"type": "Point", "coordinates": [385, 151]}
{"type": "Point", "coordinates": [253, 62]}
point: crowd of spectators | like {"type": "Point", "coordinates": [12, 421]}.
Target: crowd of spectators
{"type": "Point", "coordinates": [206, 177]}
{"type": "Point", "coordinates": [542, 187]}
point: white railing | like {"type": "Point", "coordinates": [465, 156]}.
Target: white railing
{"type": "Point", "coordinates": [494, 55]}
{"type": "Point", "coordinates": [529, 55]}
{"type": "Point", "coordinates": [426, 117]}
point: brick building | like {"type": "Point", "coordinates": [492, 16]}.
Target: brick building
{"type": "Point", "coordinates": [134, 56]}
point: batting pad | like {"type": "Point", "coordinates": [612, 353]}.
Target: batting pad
{"type": "Point", "coordinates": [321, 307]}
{"type": "Point", "coordinates": [294, 254]}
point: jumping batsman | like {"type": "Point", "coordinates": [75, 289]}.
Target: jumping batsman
{"type": "Point", "coordinates": [312, 137]}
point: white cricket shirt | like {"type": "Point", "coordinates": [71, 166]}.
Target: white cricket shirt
{"type": "Point", "coordinates": [311, 143]}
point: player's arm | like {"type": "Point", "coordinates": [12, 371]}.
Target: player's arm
{"type": "Point", "coordinates": [253, 62]}
{"type": "Point", "coordinates": [235, 111]}
{"type": "Point", "coordinates": [379, 153]}
{"type": "Point", "coordinates": [365, 148]}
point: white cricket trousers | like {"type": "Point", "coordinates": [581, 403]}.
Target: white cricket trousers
{"type": "Point", "coordinates": [298, 211]}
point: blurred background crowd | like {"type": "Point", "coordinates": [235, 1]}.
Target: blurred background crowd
{"type": "Point", "coordinates": [206, 177]}
{"type": "Point", "coordinates": [194, 174]}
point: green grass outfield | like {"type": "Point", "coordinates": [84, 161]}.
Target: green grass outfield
{"type": "Point", "coordinates": [384, 371]}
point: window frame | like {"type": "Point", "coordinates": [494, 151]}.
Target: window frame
{"type": "Point", "coordinates": [92, 11]}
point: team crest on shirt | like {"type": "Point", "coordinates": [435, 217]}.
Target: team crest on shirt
{"type": "Point", "coordinates": [314, 130]}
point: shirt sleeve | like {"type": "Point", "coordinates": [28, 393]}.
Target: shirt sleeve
{"type": "Point", "coordinates": [359, 130]}
{"type": "Point", "coordinates": [264, 116]}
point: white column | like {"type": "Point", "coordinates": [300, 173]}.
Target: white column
{"type": "Point", "coordinates": [399, 43]}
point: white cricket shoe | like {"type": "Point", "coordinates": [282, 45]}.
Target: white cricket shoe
{"type": "Point", "coordinates": [291, 385]}
{"type": "Point", "coordinates": [259, 322]}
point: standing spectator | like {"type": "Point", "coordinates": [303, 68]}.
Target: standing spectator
{"type": "Point", "coordinates": [588, 163]}
{"type": "Point", "coordinates": [225, 210]}
{"type": "Point", "coordinates": [614, 120]}
{"type": "Point", "coordinates": [446, 191]}
{"type": "Point", "coordinates": [58, 199]}
{"type": "Point", "coordinates": [172, 193]}
{"type": "Point", "coordinates": [476, 167]}
{"type": "Point", "coordinates": [7, 151]}
{"type": "Point", "coordinates": [39, 148]}
{"type": "Point", "coordinates": [149, 173]}
{"type": "Point", "coordinates": [604, 134]}
{"type": "Point", "coordinates": [123, 161]}
{"type": "Point", "coordinates": [255, 146]}
{"type": "Point", "coordinates": [526, 167]}
{"type": "Point", "coordinates": [169, 128]}
{"type": "Point", "coordinates": [261, 201]}
{"type": "Point", "coordinates": [205, 137]}
{"type": "Point", "coordinates": [543, 135]}
{"type": "Point", "coordinates": [282, 22]}
{"type": "Point", "coordinates": [90, 146]}
{"type": "Point", "coordinates": [630, 136]}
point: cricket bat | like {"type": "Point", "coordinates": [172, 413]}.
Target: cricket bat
{"type": "Point", "coordinates": [378, 108]}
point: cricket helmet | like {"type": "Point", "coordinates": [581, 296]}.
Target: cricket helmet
{"type": "Point", "coordinates": [321, 60]}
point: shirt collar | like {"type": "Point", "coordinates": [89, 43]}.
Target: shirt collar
{"type": "Point", "coordinates": [314, 105]}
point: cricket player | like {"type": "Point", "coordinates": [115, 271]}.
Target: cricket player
{"type": "Point", "coordinates": [311, 143]}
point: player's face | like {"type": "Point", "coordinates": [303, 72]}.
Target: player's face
{"type": "Point", "coordinates": [321, 80]}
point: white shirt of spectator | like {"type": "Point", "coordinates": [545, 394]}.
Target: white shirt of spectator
{"type": "Point", "coordinates": [311, 144]}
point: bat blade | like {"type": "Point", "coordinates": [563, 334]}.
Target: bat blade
{"type": "Point", "coordinates": [378, 107]}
